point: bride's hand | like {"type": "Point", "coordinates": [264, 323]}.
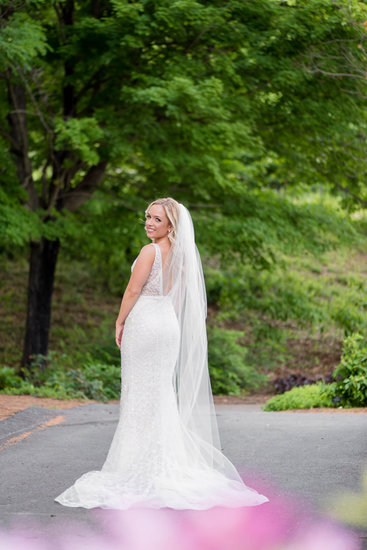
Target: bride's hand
{"type": "Point", "coordinates": [119, 331]}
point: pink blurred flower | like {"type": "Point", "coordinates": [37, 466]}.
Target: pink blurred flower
{"type": "Point", "coordinates": [324, 536]}
{"type": "Point", "coordinates": [280, 524]}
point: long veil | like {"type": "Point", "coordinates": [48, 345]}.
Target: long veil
{"type": "Point", "coordinates": [183, 281]}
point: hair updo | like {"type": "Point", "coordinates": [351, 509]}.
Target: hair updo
{"type": "Point", "coordinates": [172, 210]}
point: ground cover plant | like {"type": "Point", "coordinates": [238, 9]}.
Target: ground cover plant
{"type": "Point", "coordinates": [52, 377]}
{"type": "Point", "coordinates": [303, 397]}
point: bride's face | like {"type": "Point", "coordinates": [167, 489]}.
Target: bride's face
{"type": "Point", "coordinates": [156, 222]}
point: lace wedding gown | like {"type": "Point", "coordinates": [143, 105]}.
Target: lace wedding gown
{"type": "Point", "coordinates": [154, 460]}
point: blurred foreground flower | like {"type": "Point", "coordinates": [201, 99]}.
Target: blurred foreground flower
{"type": "Point", "coordinates": [281, 524]}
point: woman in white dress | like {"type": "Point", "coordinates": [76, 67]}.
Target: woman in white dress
{"type": "Point", "coordinates": [166, 449]}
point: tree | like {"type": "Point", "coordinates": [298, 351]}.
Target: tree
{"type": "Point", "coordinates": [343, 61]}
{"type": "Point", "coordinates": [200, 99]}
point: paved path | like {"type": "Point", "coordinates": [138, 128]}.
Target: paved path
{"type": "Point", "coordinates": [314, 456]}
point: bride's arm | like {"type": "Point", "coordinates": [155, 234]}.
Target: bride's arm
{"type": "Point", "coordinates": [138, 277]}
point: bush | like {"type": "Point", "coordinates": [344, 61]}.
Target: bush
{"type": "Point", "coordinates": [53, 376]}
{"type": "Point", "coordinates": [8, 378]}
{"type": "Point", "coordinates": [303, 397]}
{"type": "Point", "coordinates": [98, 380]}
{"type": "Point", "coordinates": [229, 372]}
{"type": "Point", "coordinates": [351, 373]}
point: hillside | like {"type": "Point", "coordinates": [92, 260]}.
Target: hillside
{"type": "Point", "coordinates": [296, 324]}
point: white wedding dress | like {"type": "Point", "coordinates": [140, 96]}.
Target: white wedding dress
{"type": "Point", "coordinates": [154, 460]}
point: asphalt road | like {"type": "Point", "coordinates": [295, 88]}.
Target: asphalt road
{"type": "Point", "coordinates": [311, 456]}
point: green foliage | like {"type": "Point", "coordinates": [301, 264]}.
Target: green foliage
{"type": "Point", "coordinates": [26, 388]}
{"type": "Point", "coordinates": [54, 376]}
{"type": "Point", "coordinates": [303, 397]}
{"type": "Point", "coordinates": [21, 41]}
{"type": "Point", "coordinates": [106, 236]}
{"type": "Point", "coordinates": [278, 294]}
{"type": "Point", "coordinates": [351, 373]}
{"type": "Point", "coordinates": [109, 234]}
{"type": "Point", "coordinates": [315, 293]}
{"type": "Point", "coordinates": [258, 226]}
{"type": "Point", "coordinates": [82, 135]}
{"type": "Point", "coordinates": [348, 390]}
{"type": "Point", "coordinates": [204, 100]}
{"type": "Point", "coordinates": [17, 225]}
{"type": "Point", "coordinates": [302, 302]}
{"type": "Point", "coordinates": [290, 312]}
{"type": "Point", "coordinates": [8, 378]}
{"type": "Point", "coordinates": [229, 372]}
{"type": "Point", "coordinates": [216, 104]}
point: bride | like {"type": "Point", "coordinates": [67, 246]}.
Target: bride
{"type": "Point", "coordinates": [166, 448]}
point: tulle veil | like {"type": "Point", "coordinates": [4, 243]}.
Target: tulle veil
{"type": "Point", "coordinates": [183, 281]}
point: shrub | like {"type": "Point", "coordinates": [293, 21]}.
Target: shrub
{"type": "Point", "coordinates": [229, 372]}
{"type": "Point", "coordinates": [8, 378]}
{"type": "Point", "coordinates": [302, 397]}
{"type": "Point", "coordinates": [351, 373]}
{"type": "Point", "coordinates": [99, 380]}
{"type": "Point", "coordinates": [53, 376]}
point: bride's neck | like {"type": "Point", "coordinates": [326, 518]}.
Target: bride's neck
{"type": "Point", "coordinates": [163, 242]}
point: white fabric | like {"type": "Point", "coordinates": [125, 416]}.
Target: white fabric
{"type": "Point", "coordinates": [162, 453]}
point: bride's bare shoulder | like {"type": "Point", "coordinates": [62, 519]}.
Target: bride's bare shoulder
{"type": "Point", "coordinates": [144, 260]}
{"type": "Point", "coordinates": [148, 249]}
{"type": "Point", "coordinates": [147, 253]}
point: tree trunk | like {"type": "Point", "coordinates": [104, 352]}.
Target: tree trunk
{"type": "Point", "coordinates": [43, 258]}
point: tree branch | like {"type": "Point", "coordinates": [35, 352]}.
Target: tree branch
{"type": "Point", "coordinates": [34, 101]}
{"type": "Point", "coordinates": [71, 200]}
{"type": "Point", "coordinates": [19, 139]}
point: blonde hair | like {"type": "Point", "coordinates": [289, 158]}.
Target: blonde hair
{"type": "Point", "coordinates": [172, 210]}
